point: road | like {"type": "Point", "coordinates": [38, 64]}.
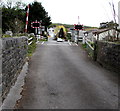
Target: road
{"type": "Point", "coordinates": [62, 76]}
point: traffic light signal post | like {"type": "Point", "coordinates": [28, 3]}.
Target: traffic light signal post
{"type": "Point", "coordinates": [37, 26]}
{"type": "Point", "coordinates": [77, 27]}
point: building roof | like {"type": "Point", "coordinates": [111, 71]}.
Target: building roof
{"type": "Point", "coordinates": [104, 30]}
{"type": "Point", "coordinates": [101, 30]}
{"type": "Point", "coordinates": [98, 31]}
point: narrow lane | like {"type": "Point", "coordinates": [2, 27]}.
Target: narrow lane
{"type": "Point", "coordinates": [61, 76]}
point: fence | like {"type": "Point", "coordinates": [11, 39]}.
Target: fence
{"type": "Point", "coordinates": [89, 43]}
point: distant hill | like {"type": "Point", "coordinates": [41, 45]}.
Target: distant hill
{"type": "Point", "coordinates": [70, 25]}
{"type": "Point", "coordinates": [65, 25]}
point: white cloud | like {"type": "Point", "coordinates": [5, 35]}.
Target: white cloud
{"type": "Point", "coordinates": [91, 12]}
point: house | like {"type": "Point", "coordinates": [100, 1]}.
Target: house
{"type": "Point", "coordinates": [107, 34]}
{"type": "Point", "coordinates": [102, 34]}
{"type": "Point", "coordinates": [51, 31]}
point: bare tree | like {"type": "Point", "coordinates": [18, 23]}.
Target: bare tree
{"type": "Point", "coordinates": [116, 32]}
{"type": "Point", "coordinates": [17, 4]}
{"type": "Point", "coordinates": [114, 12]}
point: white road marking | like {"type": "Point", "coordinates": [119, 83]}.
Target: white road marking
{"type": "Point", "coordinates": [69, 43]}
{"type": "Point", "coordinates": [58, 44]}
{"type": "Point", "coordinates": [76, 44]}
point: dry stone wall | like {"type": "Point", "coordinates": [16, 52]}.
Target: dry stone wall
{"type": "Point", "coordinates": [0, 69]}
{"type": "Point", "coordinates": [14, 51]}
{"type": "Point", "coordinates": [108, 54]}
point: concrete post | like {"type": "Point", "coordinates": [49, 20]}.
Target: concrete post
{"type": "Point", "coordinates": [84, 40]}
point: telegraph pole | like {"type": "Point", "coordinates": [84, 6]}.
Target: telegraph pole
{"type": "Point", "coordinates": [36, 29]}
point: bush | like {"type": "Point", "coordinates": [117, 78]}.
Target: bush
{"type": "Point", "coordinates": [6, 35]}
{"type": "Point", "coordinates": [68, 36]}
{"type": "Point", "coordinates": [84, 45]}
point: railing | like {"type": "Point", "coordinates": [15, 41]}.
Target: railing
{"type": "Point", "coordinates": [87, 41]}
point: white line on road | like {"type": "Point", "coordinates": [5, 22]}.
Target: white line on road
{"type": "Point", "coordinates": [76, 44]}
{"type": "Point", "coordinates": [58, 44]}
{"type": "Point", "coordinates": [69, 43]}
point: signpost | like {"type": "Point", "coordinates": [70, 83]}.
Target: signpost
{"type": "Point", "coordinates": [78, 27]}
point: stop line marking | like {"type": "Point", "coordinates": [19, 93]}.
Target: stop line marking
{"type": "Point", "coordinates": [59, 44]}
{"type": "Point", "coordinates": [69, 43]}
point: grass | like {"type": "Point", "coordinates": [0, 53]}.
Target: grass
{"type": "Point", "coordinates": [14, 35]}
{"type": "Point", "coordinates": [84, 45]}
{"type": "Point", "coordinates": [32, 48]}
{"type": "Point", "coordinates": [88, 49]}
{"type": "Point", "coordinates": [42, 40]}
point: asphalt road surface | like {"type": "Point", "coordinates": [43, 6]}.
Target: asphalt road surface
{"type": "Point", "coordinates": [62, 76]}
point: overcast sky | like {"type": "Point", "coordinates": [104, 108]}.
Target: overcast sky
{"type": "Point", "coordinates": [90, 12]}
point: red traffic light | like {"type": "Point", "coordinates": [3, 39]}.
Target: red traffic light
{"type": "Point", "coordinates": [35, 24]}
{"type": "Point", "coordinates": [78, 27]}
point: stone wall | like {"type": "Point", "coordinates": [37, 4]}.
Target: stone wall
{"type": "Point", "coordinates": [108, 55]}
{"type": "Point", "coordinates": [13, 58]}
{"type": "Point", "coordinates": [119, 14]}
{"type": "Point", "coordinates": [0, 70]}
